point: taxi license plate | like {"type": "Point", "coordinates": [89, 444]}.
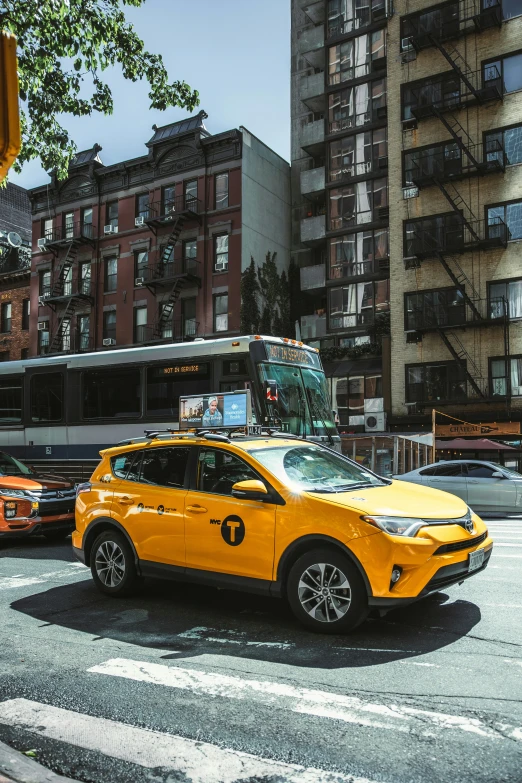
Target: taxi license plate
{"type": "Point", "coordinates": [476, 559]}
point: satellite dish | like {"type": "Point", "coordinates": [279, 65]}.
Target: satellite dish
{"type": "Point", "coordinates": [14, 239]}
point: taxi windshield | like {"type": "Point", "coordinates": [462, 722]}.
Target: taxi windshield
{"type": "Point", "coordinates": [313, 469]}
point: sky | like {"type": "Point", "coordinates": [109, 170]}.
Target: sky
{"type": "Point", "coordinates": [236, 53]}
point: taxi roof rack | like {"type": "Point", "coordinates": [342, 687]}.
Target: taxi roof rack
{"type": "Point", "coordinates": [220, 437]}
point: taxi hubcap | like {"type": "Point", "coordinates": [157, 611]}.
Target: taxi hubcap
{"type": "Point", "coordinates": [110, 564]}
{"type": "Point", "coordinates": [324, 592]}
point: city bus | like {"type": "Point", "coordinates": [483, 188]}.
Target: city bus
{"type": "Point", "coordinates": [57, 409]}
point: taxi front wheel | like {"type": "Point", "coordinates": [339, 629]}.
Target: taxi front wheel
{"type": "Point", "coordinates": [326, 592]}
{"type": "Point", "coordinates": [112, 564]}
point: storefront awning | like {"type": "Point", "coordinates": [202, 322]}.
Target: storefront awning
{"type": "Point", "coordinates": [479, 444]}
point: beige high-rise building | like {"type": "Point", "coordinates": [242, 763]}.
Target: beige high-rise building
{"type": "Point", "coordinates": [407, 140]}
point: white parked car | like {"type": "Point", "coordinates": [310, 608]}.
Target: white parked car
{"type": "Point", "coordinates": [486, 487]}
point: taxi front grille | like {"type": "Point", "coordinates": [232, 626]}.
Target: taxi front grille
{"type": "Point", "coordinates": [458, 545]}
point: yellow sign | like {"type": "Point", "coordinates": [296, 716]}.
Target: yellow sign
{"type": "Point", "coordinates": [10, 138]}
{"type": "Point", "coordinates": [480, 430]}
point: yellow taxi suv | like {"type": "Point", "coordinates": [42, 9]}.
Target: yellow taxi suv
{"type": "Point", "coordinates": [275, 515]}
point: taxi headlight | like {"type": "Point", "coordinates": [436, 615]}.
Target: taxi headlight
{"type": "Point", "coordinates": [396, 526]}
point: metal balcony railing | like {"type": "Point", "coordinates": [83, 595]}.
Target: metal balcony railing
{"type": "Point", "coordinates": [176, 330]}
{"type": "Point", "coordinates": [352, 320]}
{"type": "Point", "coordinates": [68, 288]}
{"type": "Point", "coordinates": [78, 231]}
{"type": "Point", "coordinates": [449, 162]}
{"type": "Point", "coordinates": [166, 271]}
{"type": "Point", "coordinates": [470, 17]}
{"type": "Point", "coordinates": [447, 316]}
{"type": "Point", "coordinates": [374, 114]}
{"type": "Point", "coordinates": [451, 237]}
{"type": "Point", "coordinates": [167, 210]}
{"type": "Point", "coordinates": [353, 269]}
{"type": "Point", "coordinates": [453, 93]}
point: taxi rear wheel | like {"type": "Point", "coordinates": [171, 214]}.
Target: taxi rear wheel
{"type": "Point", "coordinates": [112, 564]}
{"type": "Point", "coordinates": [326, 592]}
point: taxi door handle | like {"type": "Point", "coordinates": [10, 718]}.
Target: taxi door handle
{"type": "Point", "coordinates": [125, 501]}
{"type": "Point", "coordinates": [197, 509]}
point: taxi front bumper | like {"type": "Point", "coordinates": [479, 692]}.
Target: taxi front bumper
{"type": "Point", "coordinates": [36, 526]}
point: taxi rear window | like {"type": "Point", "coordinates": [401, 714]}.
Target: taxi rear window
{"type": "Point", "coordinates": [121, 463]}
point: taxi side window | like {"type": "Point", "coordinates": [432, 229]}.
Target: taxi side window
{"type": "Point", "coordinates": [126, 466]}
{"type": "Point", "coordinates": [218, 471]}
{"type": "Point", "coordinates": [165, 467]}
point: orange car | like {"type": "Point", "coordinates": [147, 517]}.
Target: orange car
{"type": "Point", "coordinates": [32, 503]}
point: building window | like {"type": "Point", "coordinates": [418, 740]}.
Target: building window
{"type": "Point", "coordinates": [111, 274]}
{"type": "Point", "coordinates": [109, 325]}
{"type": "Point", "coordinates": [26, 311]}
{"type": "Point", "coordinates": [442, 91]}
{"type": "Point", "coordinates": [508, 70]}
{"type": "Point", "coordinates": [111, 215]}
{"type": "Point", "coordinates": [510, 8]}
{"type": "Point", "coordinates": [85, 279]}
{"type": "Point", "coordinates": [188, 314]}
{"type": "Point", "coordinates": [5, 317]}
{"type": "Point", "coordinates": [221, 253]}
{"type": "Point", "coordinates": [68, 225]}
{"type": "Point", "coordinates": [165, 314]}
{"type": "Point", "coordinates": [364, 202]}
{"type": "Point", "coordinates": [142, 205]}
{"type": "Point", "coordinates": [508, 292]}
{"type": "Point", "coordinates": [364, 253]}
{"type": "Point", "coordinates": [357, 57]}
{"type": "Point", "coordinates": [357, 304]}
{"type": "Point", "coordinates": [66, 334]}
{"type": "Point", "coordinates": [357, 155]}
{"type": "Point", "coordinates": [191, 193]}
{"type": "Point", "coordinates": [87, 230]}
{"type": "Point", "coordinates": [169, 199]}
{"type": "Point", "coordinates": [443, 232]}
{"type": "Point", "coordinates": [506, 376]}
{"type": "Point", "coordinates": [344, 16]}
{"type": "Point", "coordinates": [509, 215]}
{"type": "Point", "coordinates": [43, 337]}
{"type": "Point", "coordinates": [441, 21]}
{"type": "Point", "coordinates": [441, 160]}
{"type": "Point", "coordinates": [437, 381]}
{"type": "Point", "coordinates": [83, 323]}
{"type": "Point", "coordinates": [504, 145]}
{"type": "Point", "coordinates": [24, 353]}
{"type": "Point", "coordinates": [190, 252]}
{"type": "Point", "coordinates": [44, 282]}
{"type": "Point", "coordinates": [221, 313]}
{"type": "Point", "coordinates": [140, 324]}
{"type": "Point", "coordinates": [221, 195]}
{"type": "Point", "coordinates": [67, 282]}
{"type": "Point", "coordinates": [432, 309]}
{"type": "Point", "coordinates": [47, 228]}
{"type": "Point", "coordinates": [357, 106]}
{"type": "Point", "coordinates": [141, 264]}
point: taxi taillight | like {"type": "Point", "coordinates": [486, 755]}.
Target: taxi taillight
{"type": "Point", "coordinates": [81, 488]}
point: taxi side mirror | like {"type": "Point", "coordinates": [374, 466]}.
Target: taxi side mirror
{"type": "Point", "coordinates": [252, 489]}
{"type": "Point", "coordinates": [497, 474]}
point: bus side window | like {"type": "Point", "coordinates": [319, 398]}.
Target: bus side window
{"type": "Point", "coordinates": [47, 397]}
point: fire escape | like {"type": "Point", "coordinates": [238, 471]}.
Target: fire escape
{"type": "Point", "coordinates": [66, 296]}
{"type": "Point", "coordinates": [167, 277]}
{"type": "Point", "coordinates": [456, 159]}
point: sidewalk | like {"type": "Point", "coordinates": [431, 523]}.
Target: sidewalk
{"type": "Point", "coordinates": [17, 768]}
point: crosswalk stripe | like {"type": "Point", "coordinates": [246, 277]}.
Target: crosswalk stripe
{"type": "Point", "coordinates": [200, 762]}
{"type": "Point", "coordinates": [514, 546]}
{"type": "Point", "coordinates": [307, 701]}
{"type": "Point", "coordinates": [20, 580]}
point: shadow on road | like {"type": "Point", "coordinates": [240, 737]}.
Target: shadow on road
{"type": "Point", "coordinates": [192, 620]}
{"type": "Point", "coordinates": [36, 548]}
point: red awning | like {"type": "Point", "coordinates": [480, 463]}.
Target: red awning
{"type": "Point", "coordinates": [479, 444]}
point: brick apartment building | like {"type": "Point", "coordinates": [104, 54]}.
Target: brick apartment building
{"type": "Point", "coordinates": [151, 249]}
{"type": "Point", "coordinates": [15, 272]}
{"type": "Point", "coordinates": [407, 197]}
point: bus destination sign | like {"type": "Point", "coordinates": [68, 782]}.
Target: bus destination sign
{"type": "Point", "coordinates": [291, 354]}
{"type": "Point", "coordinates": [195, 369]}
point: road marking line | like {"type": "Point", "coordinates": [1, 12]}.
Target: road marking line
{"type": "Point", "coordinates": [505, 606]}
{"type": "Point", "coordinates": [307, 701]}
{"type": "Point", "coordinates": [201, 633]}
{"type": "Point", "coordinates": [515, 546]}
{"type": "Point", "coordinates": [9, 582]}
{"type": "Point", "coordinates": [496, 555]}
{"type": "Point", "coordinates": [200, 762]}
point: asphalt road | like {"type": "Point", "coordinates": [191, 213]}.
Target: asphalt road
{"type": "Point", "coordinates": [193, 684]}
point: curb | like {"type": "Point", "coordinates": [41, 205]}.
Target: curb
{"type": "Point", "coordinates": [17, 768]}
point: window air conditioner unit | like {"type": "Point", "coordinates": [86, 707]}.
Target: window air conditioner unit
{"type": "Point", "coordinates": [375, 422]}
{"type": "Point", "coordinates": [108, 341]}
{"type": "Point", "coordinates": [108, 230]}
{"type": "Point", "coordinates": [43, 326]}
{"type": "Point", "coordinates": [42, 243]}
{"type": "Point", "coordinates": [41, 299]}
{"type": "Point", "coordinates": [379, 64]}
{"type": "Point", "coordinates": [139, 221]}
{"type": "Point", "coordinates": [383, 213]}
{"type": "Point", "coordinates": [382, 112]}
{"type": "Point", "coordinates": [139, 281]}
{"type": "Point", "coordinates": [383, 162]}
{"type": "Point", "coordinates": [406, 44]}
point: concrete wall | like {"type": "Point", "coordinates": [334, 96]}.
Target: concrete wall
{"type": "Point", "coordinates": [265, 187]}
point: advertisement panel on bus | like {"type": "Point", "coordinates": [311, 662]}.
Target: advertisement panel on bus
{"type": "Point", "coordinates": [217, 411]}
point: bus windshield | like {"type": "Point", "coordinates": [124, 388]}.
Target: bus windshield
{"type": "Point", "coordinates": [303, 406]}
